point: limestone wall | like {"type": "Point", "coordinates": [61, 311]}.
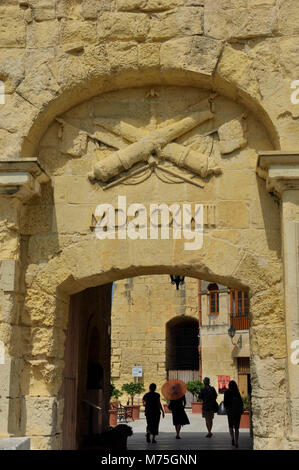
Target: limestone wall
{"type": "Point", "coordinates": [56, 58]}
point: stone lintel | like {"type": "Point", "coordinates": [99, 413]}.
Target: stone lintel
{"type": "Point", "coordinates": [280, 170]}
{"type": "Point", "coordinates": [21, 177]}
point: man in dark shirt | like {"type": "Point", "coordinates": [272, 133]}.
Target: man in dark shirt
{"type": "Point", "coordinates": [208, 395]}
{"type": "Point", "coordinates": [153, 408]}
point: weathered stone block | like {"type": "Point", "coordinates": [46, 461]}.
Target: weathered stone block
{"type": "Point", "coordinates": [239, 23]}
{"type": "Point", "coordinates": [231, 135]}
{"type": "Point", "coordinates": [91, 8]}
{"type": "Point", "coordinates": [183, 21]}
{"type": "Point", "coordinates": [123, 26]}
{"type": "Point", "coordinates": [43, 34]}
{"type": "Point", "coordinates": [41, 416]}
{"type": "Point", "coordinates": [288, 17]}
{"type": "Point", "coordinates": [268, 377]}
{"type": "Point", "coordinates": [39, 87]}
{"type": "Point", "coordinates": [12, 27]}
{"type": "Point", "coordinates": [149, 55]}
{"type": "Point", "coordinates": [236, 68]}
{"type": "Point", "coordinates": [74, 32]}
{"type": "Point", "coordinates": [11, 68]}
{"type": "Point", "coordinates": [232, 214]}
{"type": "Point", "coordinates": [268, 341]}
{"type": "Point", "coordinates": [268, 417]}
{"type": "Point", "coordinates": [194, 54]}
{"type": "Point", "coordinates": [43, 10]}
{"type": "Point", "coordinates": [122, 55]}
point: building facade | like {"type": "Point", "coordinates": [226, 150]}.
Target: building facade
{"type": "Point", "coordinates": [179, 333]}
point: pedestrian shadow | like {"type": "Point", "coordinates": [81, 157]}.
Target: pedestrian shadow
{"type": "Point", "coordinates": [189, 441]}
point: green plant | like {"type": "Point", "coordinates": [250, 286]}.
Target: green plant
{"type": "Point", "coordinates": [111, 389]}
{"type": "Point", "coordinates": [195, 387]}
{"type": "Point", "coordinates": [245, 403]}
{"type": "Point", "coordinates": [133, 389]}
{"type": "Point", "coordinates": [116, 394]}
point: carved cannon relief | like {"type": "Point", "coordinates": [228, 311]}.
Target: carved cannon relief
{"type": "Point", "coordinates": [178, 145]}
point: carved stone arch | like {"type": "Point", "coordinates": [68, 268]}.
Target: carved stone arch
{"type": "Point", "coordinates": [241, 247]}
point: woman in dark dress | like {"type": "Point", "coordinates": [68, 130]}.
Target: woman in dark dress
{"type": "Point", "coordinates": [179, 417]}
{"type": "Point", "coordinates": [234, 407]}
{"type": "Point", "coordinates": [153, 408]}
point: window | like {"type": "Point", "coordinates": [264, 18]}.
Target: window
{"type": "Point", "coordinates": [213, 299]}
{"type": "Point", "coordinates": [239, 309]}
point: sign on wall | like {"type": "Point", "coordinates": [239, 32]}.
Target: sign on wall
{"type": "Point", "coordinates": [223, 381]}
{"type": "Point", "coordinates": [137, 371]}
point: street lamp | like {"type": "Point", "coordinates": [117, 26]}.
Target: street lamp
{"type": "Point", "coordinates": [231, 333]}
{"type": "Point", "coordinates": [177, 280]}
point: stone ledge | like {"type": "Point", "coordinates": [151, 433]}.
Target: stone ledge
{"type": "Point", "coordinates": [280, 169]}
{"type": "Point", "coordinates": [15, 443]}
{"type": "Point", "coordinates": [21, 177]}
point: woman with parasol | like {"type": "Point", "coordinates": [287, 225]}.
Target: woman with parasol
{"type": "Point", "coordinates": [174, 390]}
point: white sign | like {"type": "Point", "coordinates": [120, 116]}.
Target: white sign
{"type": "Point", "coordinates": [2, 353]}
{"type": "Point", "coordinates": [137, 371]}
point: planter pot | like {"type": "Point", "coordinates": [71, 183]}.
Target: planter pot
{"type": "Point", "coordinates": [196, 406]}
{"type": "Point", "coordinates": [113, 418]}
{"type": "Point", "coordinates": [136, 411]}
{"type": "Point", "coordinates": [114, 405]}
{"type": "Point", "coordinates": [166, 409]}
{"type": "Point", "coordinates": [245, 420]}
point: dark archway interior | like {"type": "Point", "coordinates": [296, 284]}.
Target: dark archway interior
{"type": "Point", "coordinates": [182, 344]}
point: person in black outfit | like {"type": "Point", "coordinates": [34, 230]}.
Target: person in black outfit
{"type": "Point", "coordinates": [179, 417]}
{"type": "Point", "coordinates": [153, 408]}
{"type": "Point", "coordinates": [208, 395]}
{"type": "Point", "coordinates": [234, 407]}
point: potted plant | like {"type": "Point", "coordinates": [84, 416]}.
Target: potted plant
{"type": "Point", "coordinates": [245, 417]}
{"type": "Point", "coordinates": [195, 387]}
{"type": "Point", "coordinates": [113, 411]}
{"type": "Point", "coordinates": [165, 406]}
{"type": "Point", "coordinates": [133, 389]}
{"type": "Point", "coordinates": [114, 398]}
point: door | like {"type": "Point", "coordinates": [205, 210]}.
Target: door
{"type": "Point", "coordinates": [243, 385]}
{"type": "Point", "coordinates": [70, 378]}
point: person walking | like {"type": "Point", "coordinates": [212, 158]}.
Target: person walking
{"type": "Point", "coordinates": [234, 408]}
{"type": "Point", "coordinates": [208, 395]}
{"type": "Point", "coordinates": [153, 408]}
{"type": "Point", "coordinates": [179, 416]}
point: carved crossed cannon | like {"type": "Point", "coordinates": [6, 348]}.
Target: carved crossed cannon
{"type": "Point", "coordinates": [158, 142]}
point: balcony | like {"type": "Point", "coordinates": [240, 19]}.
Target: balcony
{"type": "Point", "coordinates": [240, 322]}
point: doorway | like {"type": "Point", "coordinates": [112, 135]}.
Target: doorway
{"type": "Point", "coordinates": [87, 366]}
{"type": "Point", "coordinates": [182, 358]}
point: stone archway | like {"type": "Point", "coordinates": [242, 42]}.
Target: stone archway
{"type": "Point", "coordinates": [62, 256]}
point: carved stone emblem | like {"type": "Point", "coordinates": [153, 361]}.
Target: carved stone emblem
{"type": "Point", "coordinates": [133, 153]}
